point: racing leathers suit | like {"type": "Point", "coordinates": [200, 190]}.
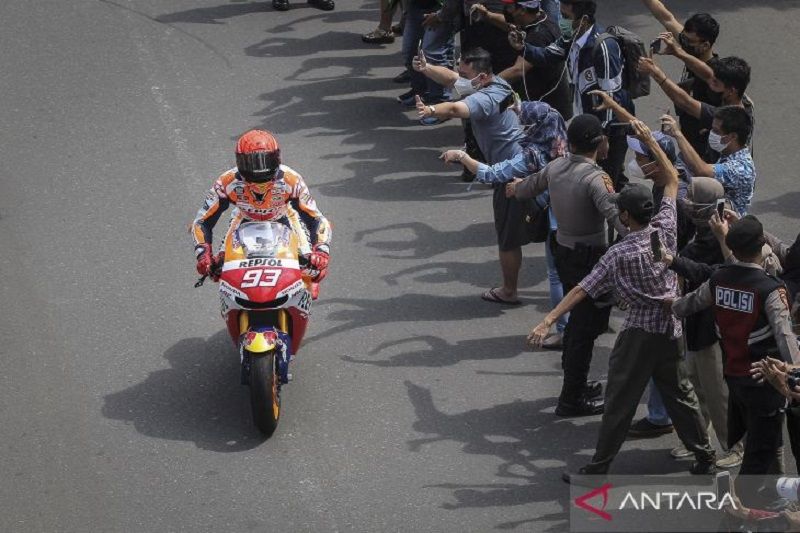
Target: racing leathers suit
{"type": "Point", "coordinates": [285, 199]}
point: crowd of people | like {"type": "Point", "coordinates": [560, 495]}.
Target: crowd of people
{"type": "Point", "coordinates": [546, 94]}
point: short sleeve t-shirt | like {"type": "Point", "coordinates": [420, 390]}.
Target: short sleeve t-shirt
{"type": "Point", "coordinates": [694, 132]}
{"type": "Point", "coordinates": [497, 130]}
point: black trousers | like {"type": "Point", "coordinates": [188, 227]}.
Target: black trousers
{"type": "Point", "coordinates": [614, 164]}
{"type": "Point", "coordinates": [587, 321]}
{"type": "Point", "coordinates": [756, 413]}
{"type": "Point", "coordinates": [793, 425]}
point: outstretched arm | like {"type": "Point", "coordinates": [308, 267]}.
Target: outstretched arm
{"type": "Point", "coordinates": [664, 16]}
{"type": "Point", "coordinates": [681, 98]}
{"type": "Point", "coordinates": [699, 67]}
{"type": "Point", "coordinates": [689, 154]}
{"type": "Point", "coordinates": [441, 75]}
{"type": "Point", "coordinates": [540, 331]}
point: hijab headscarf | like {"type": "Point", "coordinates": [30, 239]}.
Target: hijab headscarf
{"type": "Point", "coordinates": [545, 134]}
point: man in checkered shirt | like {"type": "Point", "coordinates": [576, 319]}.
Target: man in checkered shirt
{"type": "Point", "coordinates": [647, 346]}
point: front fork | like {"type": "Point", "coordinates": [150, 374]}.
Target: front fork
{"type": "Point", "coordinates": [260, 339]}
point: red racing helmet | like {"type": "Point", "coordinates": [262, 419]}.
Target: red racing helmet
{"type": "Point", "coordinates": [258, 156]}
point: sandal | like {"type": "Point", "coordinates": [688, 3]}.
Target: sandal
{"type": "Point", "coordinates": [492, 295]}
{"type": "Point", "coordinates": [378, 36]}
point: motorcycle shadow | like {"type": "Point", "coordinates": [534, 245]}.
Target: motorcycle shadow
{"type": "Point", "coordinates": [198, 399]}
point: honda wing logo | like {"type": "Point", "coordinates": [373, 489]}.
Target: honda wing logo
{"type": "Point", "coordinates": [602, 491]}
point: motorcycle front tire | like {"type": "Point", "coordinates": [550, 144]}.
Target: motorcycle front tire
{"type": "Point", "coordinates": [265, 399]}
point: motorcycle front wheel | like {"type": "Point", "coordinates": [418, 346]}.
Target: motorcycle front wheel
{"type": "Point", "coordinates": [265, 399]}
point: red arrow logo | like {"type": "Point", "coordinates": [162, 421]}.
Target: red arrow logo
{"type": "Point", "coordinates": [581, 501]}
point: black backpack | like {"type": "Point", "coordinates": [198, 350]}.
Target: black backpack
{"type": "Point", "coordinates": [632, 48]}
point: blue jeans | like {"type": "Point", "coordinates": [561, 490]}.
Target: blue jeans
{"type": "Point", "coordinates": [437, 45]}
{"type": "Point", "coordinates": [552, 9]}
{"type": "Point", "coordinates": [656, 412]}
{"type": "Point", "coordinates": [556, 288]}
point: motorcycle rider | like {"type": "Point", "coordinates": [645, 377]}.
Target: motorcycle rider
{"type": "Point", "coordinates": [261, 189]}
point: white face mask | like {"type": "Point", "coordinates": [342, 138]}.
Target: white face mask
{"type": "Point", "coordinates": [466, 87]}
{"type": "Point", "coordinates": [633, 170]}
{"type": "Point", "coordinates": [715, 142]}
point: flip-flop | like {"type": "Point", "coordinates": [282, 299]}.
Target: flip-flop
{"type": "Point", "coordinates": [492, 296]}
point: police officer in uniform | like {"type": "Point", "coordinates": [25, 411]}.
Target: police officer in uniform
{"type": "Point", "coordinates": [751, 312]}
{"type": "Point", "coordinates": [581, 200]}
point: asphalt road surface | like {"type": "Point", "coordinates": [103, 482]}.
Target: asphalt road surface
{"type": "Point", "coordinates": [416, 406]}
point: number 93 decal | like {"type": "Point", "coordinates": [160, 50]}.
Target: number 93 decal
{"type": "Point", "coordinates": [261, 277]}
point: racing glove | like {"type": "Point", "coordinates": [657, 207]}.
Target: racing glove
{"type": "Point", "coordinates": [319, 258]}
{"type": "Point", "coordinates": [205, 261]}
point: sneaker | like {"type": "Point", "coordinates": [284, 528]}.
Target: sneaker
{"type": "Point", "coordinates": [430, 121]}
{"type": "Point", "coordinates": [703, 468]}
{"type": "Point", "coordinates": [680, 452]}
{"type": "Point", "coordinates": [408, 99]}
{"type": "Point", "coordinates": [378, 36]}
{"type": "Point", "coordinates": [280, 5]}
{"type": "Point", "coordinates": [644, 429]}
{"type": "Point", "coordinates": [325, 5]}
{"type": "Point", "coordinates": [583, 407]}
{"type": "Point", "coordinates": [588, 470]}
{"type": "Point", "coordinates": [730, 459]}
{"type": "Point", "coordinates": [397, 29]}
{"type": "Point", "coordinates": [403, 77]}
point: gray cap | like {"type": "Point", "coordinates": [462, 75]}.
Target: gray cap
{"type": "Point", "coordinates": [636, 199]}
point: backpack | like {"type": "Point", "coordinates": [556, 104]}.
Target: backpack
{"type": "Point", "coordinates": [632, 48]}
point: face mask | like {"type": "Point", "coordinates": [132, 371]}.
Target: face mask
{"type": "Point", "coordinates": [700, 213]}
{"type": "Point", "coordinates": [465, 86]}
{"type": "Point", "coordinates": [634, 171]}
{"type": "Point", "coordinates": [715, 142]}
{"type": "Point", "coordinates": [683, 40]}
{"type": "Point", "coordinates": [565, 25]}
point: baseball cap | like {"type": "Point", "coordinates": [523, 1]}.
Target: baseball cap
{"type": "Point", "coordinates": [745, 235]}
{"type": "Point", "coordinates": [584, 129]}
{"type": "Point", "coordinates": [666, 143]}
{"type": "Point", "coordinates": [636, 199]}
{"type": "Point", "coordinates": [530, 4]}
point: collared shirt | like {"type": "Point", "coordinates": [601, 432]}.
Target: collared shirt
{"type": "Point", "coordinates": [776, 307]}
{"type": "Point", "coordinates": [628, 269]}
{"type": "Point", "coordinates": [737, 174]}
{"type": "Point", "coordinates": [580, 198]}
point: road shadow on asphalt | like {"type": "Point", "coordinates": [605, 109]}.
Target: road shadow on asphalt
{"type": "Point", "coordinates": [219, 14]}
{"type": "Point", "coordinates": [533, 446]}
{"type": "Point", "coordinates": [785, 205]}
{"type": "Point", "coordinates": [427, 241]}
{"type": "Point", "coordinates": [533, 272]}
{"type": "Point", "coordinates": [411, 307]}
{"type": "Point", "coordinates": [198, 399]}
{"type": "Point", "coordinates": [441, 353]}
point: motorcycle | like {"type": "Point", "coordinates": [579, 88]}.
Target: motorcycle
{"type": "Point", "coordinates": [266, 293]}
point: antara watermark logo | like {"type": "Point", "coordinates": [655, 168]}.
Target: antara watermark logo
{"type": "Point", "coordinates": [643, 500]}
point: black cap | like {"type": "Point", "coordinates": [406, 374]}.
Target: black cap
{"type": "Point", "coordinates": [585, 130]}
{"type": "Point", "coordinates": [636, 199]}
{"type": "Point", "coordinates": [746, 235]}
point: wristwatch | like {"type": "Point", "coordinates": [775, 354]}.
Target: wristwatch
{"type": "Point", "coordinates": [432, 109]}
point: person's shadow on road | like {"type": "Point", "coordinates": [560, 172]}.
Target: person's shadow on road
{"type": "Point", "coordinates": [197, 399]}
